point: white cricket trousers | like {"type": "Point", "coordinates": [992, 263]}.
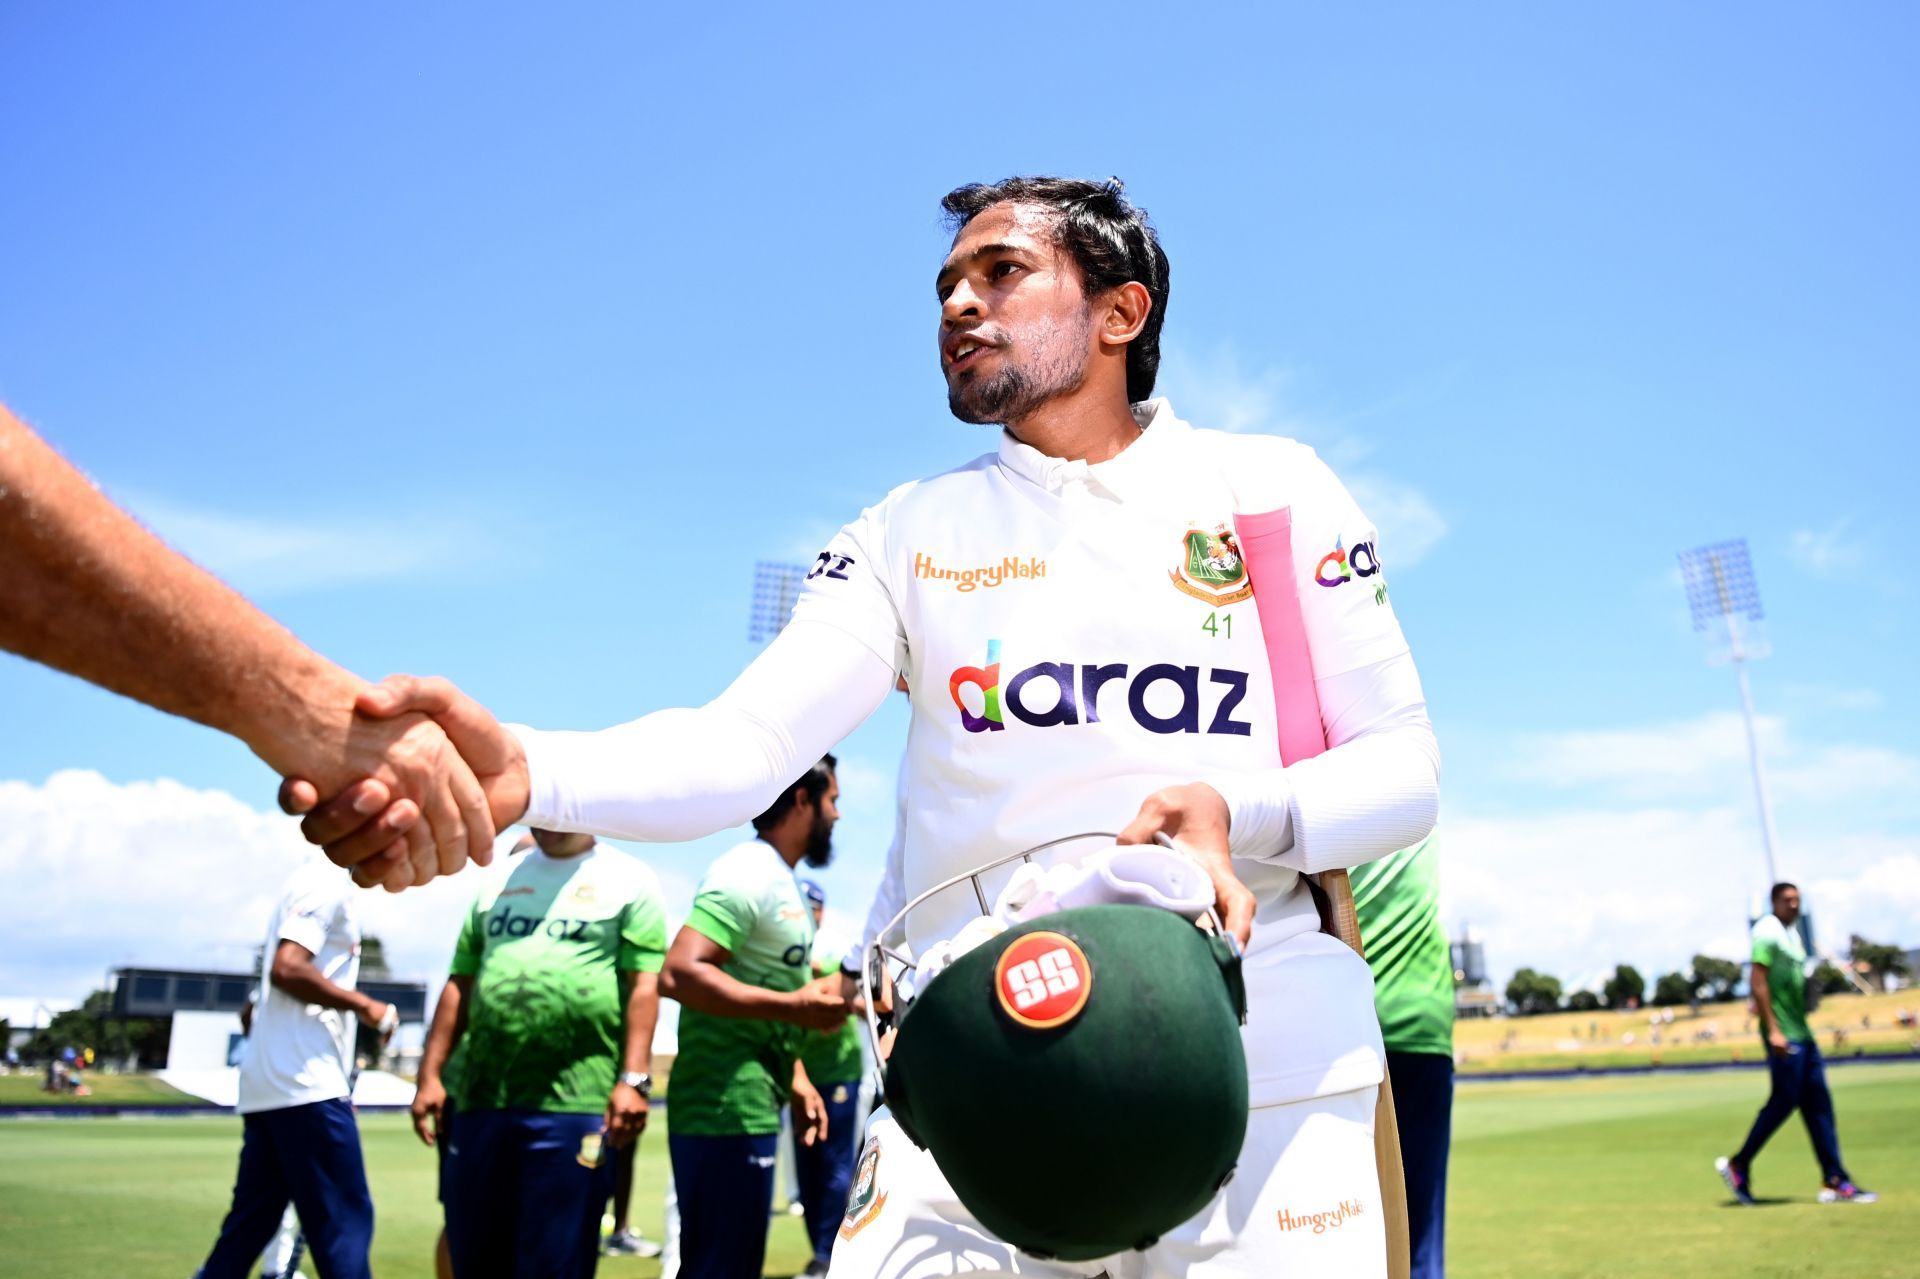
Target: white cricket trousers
{"type": "Point", "coordinates": [1304, 1202]}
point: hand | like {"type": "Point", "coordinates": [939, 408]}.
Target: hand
{"type": "Point", "coordinates": [1197, 816]}
{"type": "Point", "coordinates": [356, 825]}
{"type": "Point", "coordinates": [819, 1005]}
{"type": "Point", "coordinates": [1776, 1043]}
{"type": "Point", "coordinates": [809, 1114]}
{"type": "Point", "coordinates": [373, 1015]}
{"type": "Point", "coordinates": [626, 1115]}
{"type": "Point", "coordinates": [429, 1102]}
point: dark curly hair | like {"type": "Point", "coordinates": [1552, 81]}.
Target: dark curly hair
{"type": "Point", "coordinates": [1109, 239]}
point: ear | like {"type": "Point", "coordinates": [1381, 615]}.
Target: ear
{"type": "Point", "coordinates": [1127, 309]}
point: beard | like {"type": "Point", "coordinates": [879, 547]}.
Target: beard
{"type": "Point", "coordinates": [1058, 367]}
{"type": "Point", "coordinates": [819, 849]}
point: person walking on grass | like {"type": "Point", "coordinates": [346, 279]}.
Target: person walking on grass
{"type": "Point", "coordinates": [1779, 982]}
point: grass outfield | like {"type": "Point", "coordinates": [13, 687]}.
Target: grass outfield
{"type": "Point", "coordinates": [23, 1089]}
{"type": "Point", "coordinates": [1847, 1025]}
{"type": "Point", "coordinates": [1600, 1177]}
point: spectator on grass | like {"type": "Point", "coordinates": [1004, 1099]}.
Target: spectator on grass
{"type": "Point", "coordinates": [834, 1062]}
{"type": "Point", "coordinates": [553, 999]}
{"type": "Point", "coordinates": [1798, 1078]}
{"type": "Point", "coordinates": [300, 1142]}
{"type": "Point", "coordinates": [741, 968]}
{"type": "Point", "coordinates": [1397, 899]}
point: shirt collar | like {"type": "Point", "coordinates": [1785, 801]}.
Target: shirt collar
{"type": "Point", "coordinates": [1133, 469]}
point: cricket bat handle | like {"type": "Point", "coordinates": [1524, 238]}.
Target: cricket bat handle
{"type": "Point", "coordinates": [1386, 1125]}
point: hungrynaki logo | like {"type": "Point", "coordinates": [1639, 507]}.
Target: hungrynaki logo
{"type": "Point", "coordinates": [1321, 1222]}
{"type": "Point", "coordinates": [1161, 697]}
{"type": "Point", "coordinates": [1340, 566]}
{"type": "Point", "coordinates": [1010, 569]}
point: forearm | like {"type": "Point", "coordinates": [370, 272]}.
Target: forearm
{"type": "Point", "coordinates": [681, 774]}
{"type": "Point", "coordinates": [707, 989]}
{"type": "Point", "coordinates": [308, 984]}
{"type": "Point", "coordinates": [91, 592]}
{"type": "Point", "coordinates": [643, 1014]}
{"type": "Point", "coordinates": [1376, 789]}
{"type": "Point", "coordinates": [449, 1021]}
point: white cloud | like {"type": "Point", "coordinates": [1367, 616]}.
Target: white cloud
{"type": "Point", "coordinates": [1214, 391]}
{"type": "Point", "coordinates": [1409, 525]}
{"type": "Point", "coordinates": [1573, 893]}
{"type": "Point", "coordinates": [159, 873]}
{"type": "Point", "coordinates": [1706, 758]}
{"type": "Point", "coordinates": [268, 557]}
{"type": "Point", "coordinates": [1821, 550]}
{"type": "Point", "coordinates": [1645, 845]}
{"type": "Point", "coordinates": [1833, 697]}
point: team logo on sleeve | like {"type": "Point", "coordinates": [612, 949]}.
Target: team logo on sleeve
{"type": "Point", "coordinates": [1043, 980]}
{"type": "Point", "coordinates": [865, 1199]}
{"type": "Point", "coordinates": [1210, 566]}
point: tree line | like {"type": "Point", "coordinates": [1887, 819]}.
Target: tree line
{"type": "Point", "coordinates": [1706, 979]}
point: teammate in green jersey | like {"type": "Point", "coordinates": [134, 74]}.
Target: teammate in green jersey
{"type": "Point", "coordinates": [834, 1063]}
{"type": "Point", "coordinates": [1398, 900]}
{"type": "Point", "coordinates": [741, 970]}
{"type": "Point", "coordinates": [1779, 982]}
{"type": "Point", "coordinates": [555, 983]}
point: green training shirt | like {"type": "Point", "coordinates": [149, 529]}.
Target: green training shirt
{"type": "Point", "coordinates": [734, 1074]}
{"type": "Point", "coordinates": [1398, 901]}
{"type": "Point", "coordinates": [545, 943]}
{"type": "Point", "coordinates": [831, 1056]}
{"type": "Point", "coordinates": [1779, 950]}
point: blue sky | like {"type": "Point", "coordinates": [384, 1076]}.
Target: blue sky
{"type": "Point", "coordinates": [500, 343]}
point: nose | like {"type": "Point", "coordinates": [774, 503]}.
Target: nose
{"type": "Point", "coordinates": [962, 303]}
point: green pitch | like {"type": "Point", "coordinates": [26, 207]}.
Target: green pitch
{"type": "Point", "coordinates": [1601, 1177]}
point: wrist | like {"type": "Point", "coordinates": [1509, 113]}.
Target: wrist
{"type": "Point", "coordinates": [300, 722]}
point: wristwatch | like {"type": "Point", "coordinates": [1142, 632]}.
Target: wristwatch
{"type": "Point", "coordinates": [640, 1083]}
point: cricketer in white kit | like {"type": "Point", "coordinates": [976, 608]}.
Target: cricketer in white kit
{"type": "Point", "coordinates": [1074, 622]}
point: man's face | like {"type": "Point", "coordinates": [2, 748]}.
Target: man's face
{"type": "Point", "coordinates": [1016, 328]}
{"type": "Point", "coordinates": [556, 843]}
{"type": "Point", "coordinates": [820, 839]}
{"type": "Point", "coordinates": [1787, 906]}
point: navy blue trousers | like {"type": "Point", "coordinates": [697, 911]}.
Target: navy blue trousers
{"type": "Point", "coordinates": [1799, 1081]}
{"type": "Point", "coordinates": [826, 1170]}
{"type": "Point", "coordinates": [311, 1155]}
{"type": "Point", "coordinates": [1423, 1102]}
{"type": "Point", "coordinates": [523, 1191]}
{"type": "Point", "coordinates": [725, 1187]}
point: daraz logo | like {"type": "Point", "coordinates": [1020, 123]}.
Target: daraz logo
{"type": "Point", "coordinates": [1076, 691]}
{"type": "Point", "coordinates": [1340, 565]}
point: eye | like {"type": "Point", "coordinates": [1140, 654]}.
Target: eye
{"type": "Point", "coordinates": [1003, 269]}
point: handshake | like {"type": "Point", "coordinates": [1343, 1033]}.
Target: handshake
{"type": "Point", "coordinates": [413, 785]}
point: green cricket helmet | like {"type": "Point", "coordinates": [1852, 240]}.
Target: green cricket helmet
{"type": "Point", "coordinates": [1079, 1079]}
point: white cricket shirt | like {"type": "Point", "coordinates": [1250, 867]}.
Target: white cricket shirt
{"type": "Point", "coordinates": [1076, 637]}
{"type": "Point", "coordinates": [1067, 657]}
{"type": "Point", "coordinates": [300, 1052]}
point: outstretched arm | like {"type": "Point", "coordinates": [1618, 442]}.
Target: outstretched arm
{"type": "Point", "coordinates": [672, 775]}
{"type": "Point", "coordinates": [90, 592]}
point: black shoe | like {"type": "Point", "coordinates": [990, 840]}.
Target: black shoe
{"type": "Point", "coordinates": [1736, 1178]}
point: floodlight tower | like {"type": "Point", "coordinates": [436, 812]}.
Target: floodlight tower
{"type": "Point", "coordinates": [1726, 607]}
{"type": "Point", "coordinates": [776, 588]}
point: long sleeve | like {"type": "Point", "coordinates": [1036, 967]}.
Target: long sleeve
{"type": "Point", "coordinates": [681, 774]}
{"type": "Point", "coordinates": [1376, 788]}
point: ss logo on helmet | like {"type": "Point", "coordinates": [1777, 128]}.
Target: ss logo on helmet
{"type": "Point", "coordinates": [1043, 980]}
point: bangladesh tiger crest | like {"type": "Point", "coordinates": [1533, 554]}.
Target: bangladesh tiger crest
{"type": "Point", "coordinates": [1210, 568]}
{"type": "Point", "coordinates": [865, 1199]}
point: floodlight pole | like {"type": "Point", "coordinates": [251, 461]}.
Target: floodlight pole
{"type": "Point", "coordinates": [1739, 654]}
